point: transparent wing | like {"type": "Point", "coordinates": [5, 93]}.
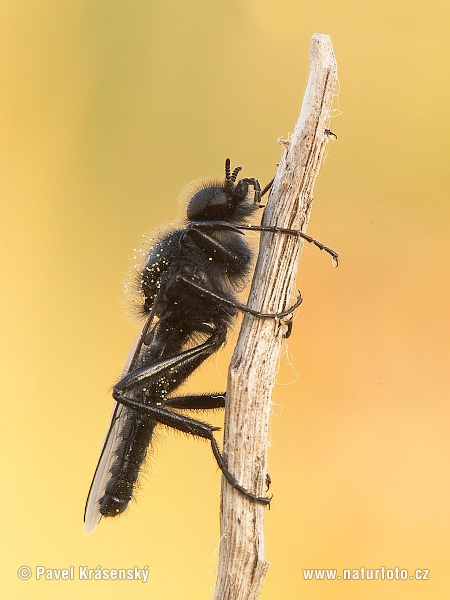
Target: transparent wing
{"type": "Point", "coordinates": [92, 513]}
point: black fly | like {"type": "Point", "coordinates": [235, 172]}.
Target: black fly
{"type": "Point", "coordinates": [188, 285]}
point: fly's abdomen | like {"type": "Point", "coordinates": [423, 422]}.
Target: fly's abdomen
{"type": "Point", "coordinates": [135, 436]}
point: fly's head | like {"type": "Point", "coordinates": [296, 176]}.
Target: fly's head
{"type": "Point", "coordinates": [225, 201]}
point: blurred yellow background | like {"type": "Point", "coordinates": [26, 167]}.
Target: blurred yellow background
{"type": "Point", "coordinates": [107, 109]}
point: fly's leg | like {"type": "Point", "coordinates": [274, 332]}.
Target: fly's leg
{"type": "Point", "coordinates": [212, 226]}
{"type": "Point", "coordinates": [197, 402]}
{"type": "Point", "coordinates": [177, 365]}
{"type": "Point", "coordinates": [163, 415]}
{"type": "Point", "coordinates": [183, 363]}
{"type": "Point", "coordinates": [211, 244]}
{"type": "Point", "coordinates": [243, 307]}
{"type": "Point", "coordinates": [198, 227]}
{"type": "Point", "coordinates": [256, 186]}
{"type": "Point", "coordinates": [267, 188]}
{"type": "Point", "coordinates": [206, 402]}
{"type": "Point", "coordinates": [296, 233]}
{"type": "Point", "coordinates": [230, 478]}
{"type": "Point", "coordinates": [192, 427]}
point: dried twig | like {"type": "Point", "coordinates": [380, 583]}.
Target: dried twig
{"type": "Point", "coordinates": [242, 564]}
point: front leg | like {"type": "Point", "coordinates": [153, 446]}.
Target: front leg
{"type": "Point", "coordinates": [200, 226]}
{"type": "Point", "coordinates": [296, 233]}
{"type": "Point", "coordinates": [197, 231]}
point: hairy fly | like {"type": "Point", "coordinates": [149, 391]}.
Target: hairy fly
{"type": "Point", "coordinates": [188, 284]}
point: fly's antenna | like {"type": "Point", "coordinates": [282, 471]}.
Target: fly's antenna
{"type": "Point", "coordinates": [227, 170]}
{"type": "Point", "coordinates": [230, 177]}
{"type": "Point", "coordinates": [234, 174]}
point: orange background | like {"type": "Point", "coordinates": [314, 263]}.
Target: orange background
{"type": "Point", "coordinates": [107, 110]}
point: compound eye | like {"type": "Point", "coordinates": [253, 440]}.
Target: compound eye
{"type": "Point", "coordinates": [206, 202]}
